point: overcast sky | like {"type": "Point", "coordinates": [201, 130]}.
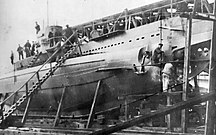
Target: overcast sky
{"type": "Point", "coordinates": [17, 18]}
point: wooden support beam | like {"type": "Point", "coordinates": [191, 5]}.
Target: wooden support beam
{"type": "Point", "coordinates": [91, 115]}
{"type": "Point", "coordinates": [158, 113]}
{"type": "Point", "coordinates": [187, 51]}
{"type": "Point", "coordinates": [169, 125]}
{"type": "Point", "coordinates": [25, 115]}
{"type": "Point", "coordinates": [59, 108]}
{"type": "Point", "coordinates": [210, 109]}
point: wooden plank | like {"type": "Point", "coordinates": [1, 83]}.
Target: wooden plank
{"type": "Point", "coordinates": [187, 51]}
{"type": "Point", "coordinates": [210, 109]}
{"type": "Point", "coordinates": [92, 111]}
{"type": "Point", "coordinates": [158, 113]}
{"type": "Point", "coordinates": [59, 108]}
{"type": "Point", "coordinates": [25, 115]}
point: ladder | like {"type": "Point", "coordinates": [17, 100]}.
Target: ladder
{"type": "Point", "coordinates": [34, 59]}
{"type": "Point", "coordinates": [40, 81]}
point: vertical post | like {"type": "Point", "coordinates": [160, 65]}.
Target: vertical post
{"type": "Point", "coordinates": [126, 20]}
{"type": "Point", "coordinates": [196, 85]}
{"type": "Point", "coordinates": [59, 108]}
{"type": "Point", "coordinates": [171, 6]}
{"type": "Point", "coordinates": [129, 22]}
{"type": "Point", "coordinates": [47, 13]}
{"type": "Point", "coordinates": [91, 115]}
{"type": "Point", "coordinates": [210, 109]}
{"type": "Point", "coordinates": [186, 72]}
{"type": "Point", "coordinates": [161, 25]}
{"type": "Point", "coordinates": [38, 77]}
{"type": "Point", "coordinates": [169, 125]}
{"type": "Point", "coordinates": [93, 26]}
{"type": "Point", "coordinates": [126, 108]}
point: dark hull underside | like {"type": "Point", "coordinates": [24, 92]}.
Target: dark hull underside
{"type": "Point", "coordinates": [81, 80]}
{"type": "Point", "coordinates": [80, 89]}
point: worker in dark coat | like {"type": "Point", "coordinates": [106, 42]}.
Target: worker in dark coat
{"type": "Point", "coordinates": [58, 36]}
{"type": "Point", "coordinates": [37, 27]}
{"type": "Point", "coordinates": [157, 55]}
{"type": "Point", "coordinates": [20, 52]}
{"type": "Point", "coordinates": [50, 36]}
{"type": "Point", "coordinates": [27, 45]}
{"type": "Point", "coordinates": [33, 49]}
{"type": "Point", "coordinates": [12, 57]}
{"type": "Point", "coordinates": [68, 33]}
{"type": "Point", "coordinates": [27, 49]}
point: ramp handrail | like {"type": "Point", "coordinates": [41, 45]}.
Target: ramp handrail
{"type": "Point", "coordinates": [38, 69]}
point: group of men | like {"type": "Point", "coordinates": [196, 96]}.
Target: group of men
{"type": "Point", "coordinates": [28, 49]}
{"type": "Point", "coordinates": [54, 37]}
{"type": "Point", "coordinates": [167, 72]}
{"type": "Point", "coordinates": [71, 35]}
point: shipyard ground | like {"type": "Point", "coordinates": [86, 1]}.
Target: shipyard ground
{"type": "Point", "coordinates": [130, 131]}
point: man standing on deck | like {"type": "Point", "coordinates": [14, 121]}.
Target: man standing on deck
{"type": "Point", "coordinates": [68, 33]}
{"type": "Point", "coordinates": [33, 49]}
{"type": "Point", "coordinates": [50, 36]}
{"type": "Point", "coordinates": [27, 49]}
{"type": "Point", "coordinates": [58, 36]}
{"type": "Point", "coordinates": [20, 52]}
{"type": "Point", "coordinates": [12, 57]}
{"type": "Point", "coordinates": [37, 27]}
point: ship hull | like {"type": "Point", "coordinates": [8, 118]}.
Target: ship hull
{"type": "Point", "coordinates": [80, 77]}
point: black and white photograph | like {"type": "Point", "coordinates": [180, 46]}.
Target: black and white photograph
{"type": "Point", "coordinates": [100, 67]}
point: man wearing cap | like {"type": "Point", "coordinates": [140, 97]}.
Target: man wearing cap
{"type": "Point", "coordinates": [68, 32]}
{"type": "Point", "coordinates": [157, 55]}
